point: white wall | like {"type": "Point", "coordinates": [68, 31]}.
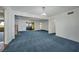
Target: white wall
{"type": "Point", "coordinates": [37, 25]}
{"type": "Point", "coordinates": [51, 25]}
{"type": "Point", "coordinates": [43, 27]}
{"type": "Point", "coordinates": [9, 25]}
{"type": "Point", "coordinates": [21, 24]}
{"type": "Point", "coordinates": [67, 26]}
{"type": "Point", "coordinates": [1, 14]}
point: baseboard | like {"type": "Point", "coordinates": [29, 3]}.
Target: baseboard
{"type": "Point", "coordinates": [53, 33]}
{"type": "Point", "coordinates": [42, 30]}
{"type": "Point", "coordinates": [67, 39]}
{"type": "Point", "coordinates": [5, 45]}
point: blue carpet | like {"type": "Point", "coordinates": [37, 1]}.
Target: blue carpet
{"type": "Point", "coordinates": [41, 41]}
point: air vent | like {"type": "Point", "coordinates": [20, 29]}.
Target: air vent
{"type": "Point", "coordinates": [69, 13]}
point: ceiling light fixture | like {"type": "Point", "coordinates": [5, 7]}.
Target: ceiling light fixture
{"type": "Point", "coordinates": [43, 14]}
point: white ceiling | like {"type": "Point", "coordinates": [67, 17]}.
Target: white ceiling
{"type": "Point", "coordinates": [50, 10]}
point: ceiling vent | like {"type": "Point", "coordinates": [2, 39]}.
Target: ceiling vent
{"type": "Point", "coordinates": [69, 13]}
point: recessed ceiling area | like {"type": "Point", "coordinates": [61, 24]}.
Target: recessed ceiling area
{"type": "Point", "coordinates": [17, 17]}
{"type": "Point", "coordinates": [50, 10]}
{"type": "Point", "coordinates": [1, 9]}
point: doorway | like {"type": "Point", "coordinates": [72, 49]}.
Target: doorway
{"type": "Point", "coordinates": [1, 35]}
{"type": "Point", "coordinates": [2, 29]}
{"type": "Point", "coordinates": [30, 26]}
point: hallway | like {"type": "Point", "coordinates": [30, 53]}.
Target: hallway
{"type": "Point", "coordinates": [41, 41]}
